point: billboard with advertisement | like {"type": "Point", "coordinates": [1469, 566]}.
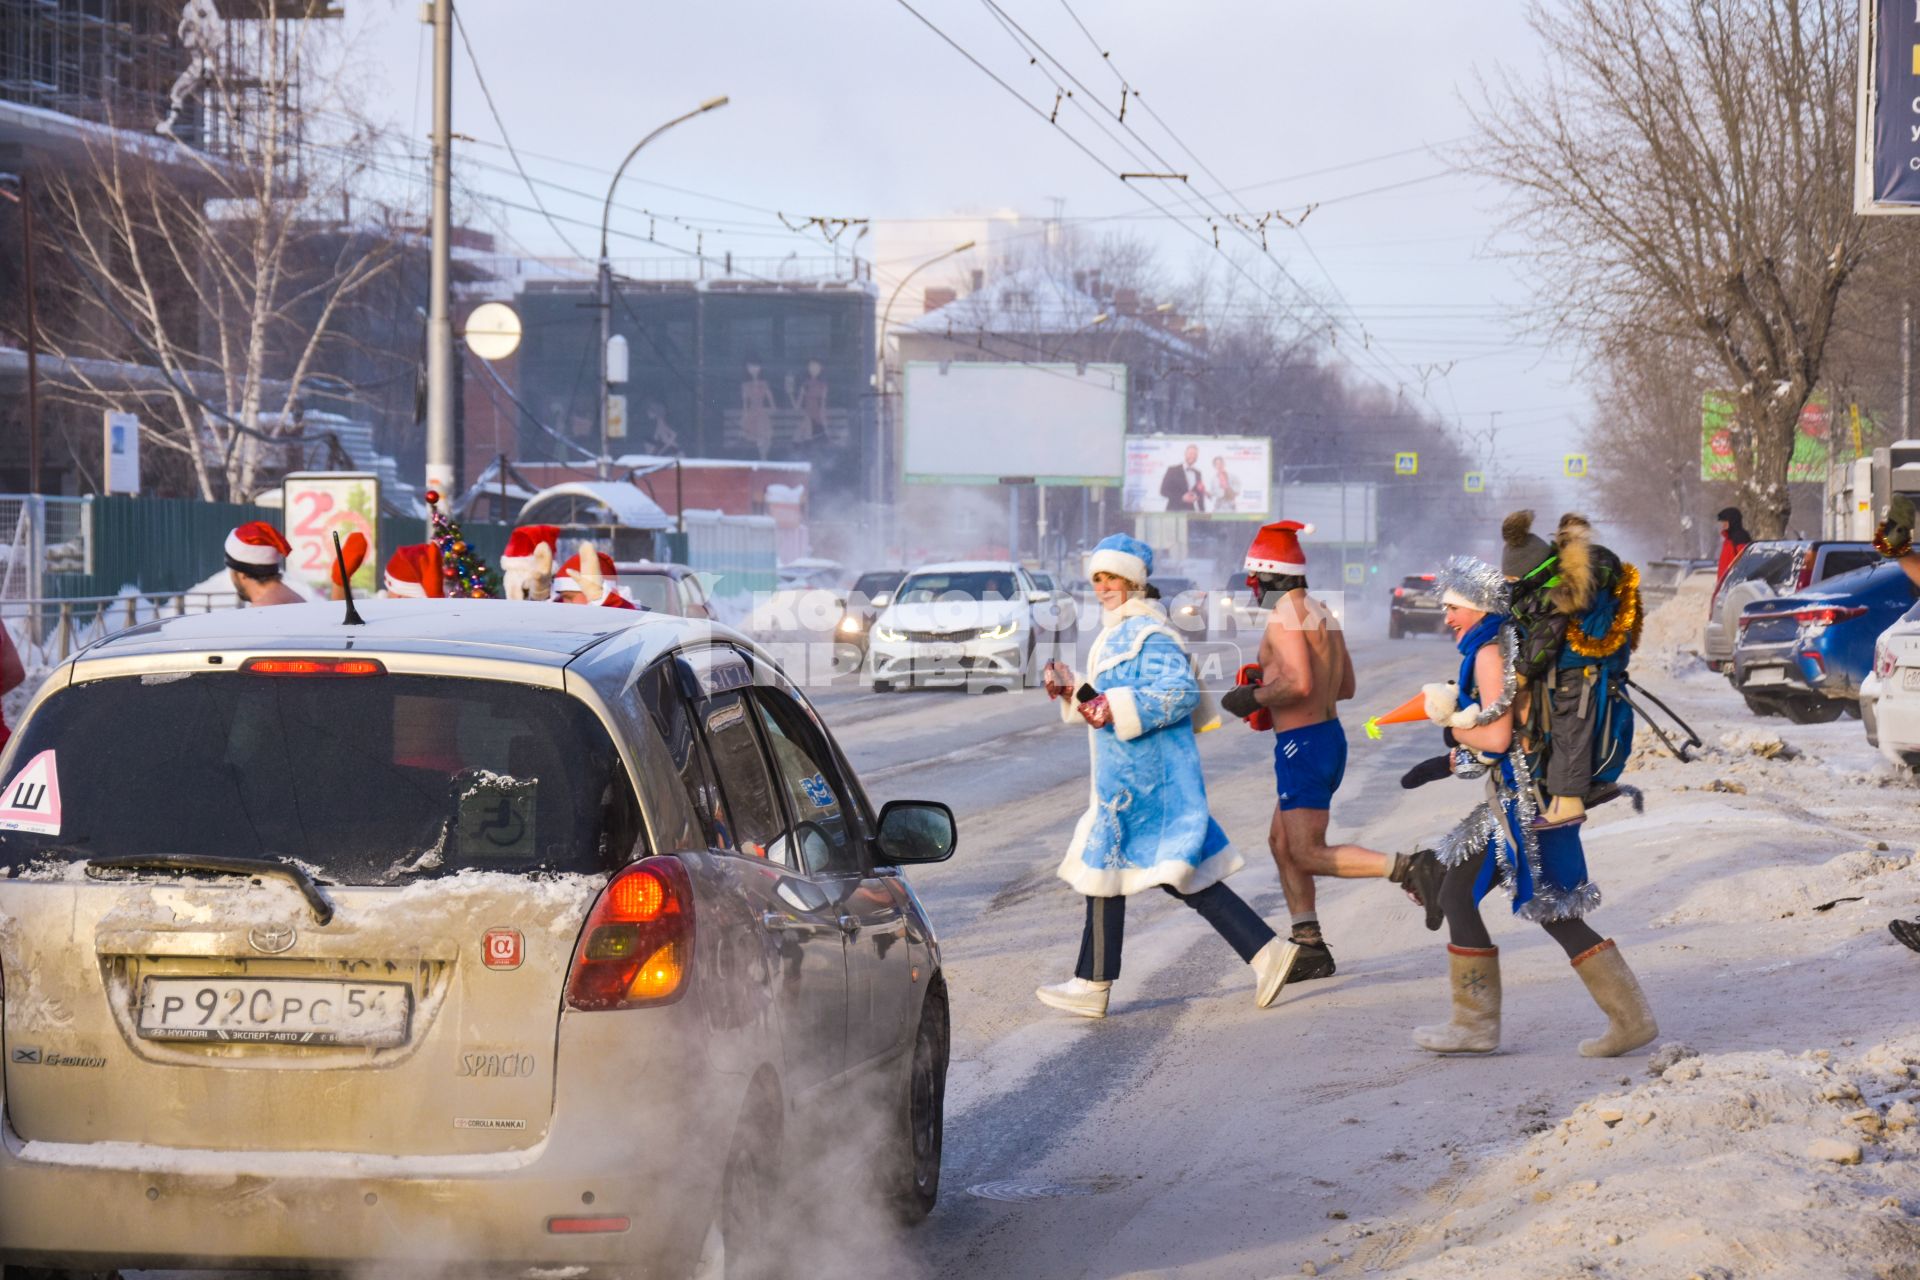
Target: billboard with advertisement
{"type": "Point", "coordinates": [1213, 477]}
{"type": "Point", "coordinates": [316, 504]}
{"type": "Point", "coordinates": [1886, 175]}
{"type": "Point", "coordinates": [982, 422]}
{"type": "Point", "coordinates": [1811, 448]}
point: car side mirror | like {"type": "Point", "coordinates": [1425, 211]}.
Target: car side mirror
{"type": "Point", "coordinates": [914, 831]}
{"type": "Point", "coordinates": [1039, 597]}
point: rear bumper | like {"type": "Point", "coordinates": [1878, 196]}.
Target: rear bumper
{"type": "Point", "coordinates": [98, 1218]}
{"type": "Point", "coordinates": [1897, 719]}
{"type": "Point", "coordinates": [1785, 670]}
{"type": "Point", "coordinates": [104, 1205]}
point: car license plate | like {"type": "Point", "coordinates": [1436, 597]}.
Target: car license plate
{"type": "Point", "coordinates": [1766, 675]}
{"type": "Point", "coordinates": [1910, 678]}
{"type": "Point", "coordinates": [276, 1011]}
{"type": "Point", "coordinates": [940, 652]}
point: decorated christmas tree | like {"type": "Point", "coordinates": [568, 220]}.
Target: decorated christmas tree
{"type": "Point", "coordinates": [464, 570]}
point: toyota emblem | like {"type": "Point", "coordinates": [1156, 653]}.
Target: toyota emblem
{"type": "Point", "coordinates": [271, 938]}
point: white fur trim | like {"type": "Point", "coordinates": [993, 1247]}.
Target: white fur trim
{"type": "Point", "coordinates": [1117, 882]}
{"type": "Point", "coordinates": [248, 553]}
{"type": "Point", "coordinates": [1459, 601]}
{"type": "Point", "coordinates": [563, 582]}
{"type": "Point", "coordinates": [1126, 713]}
{"type": "Point", "coordinates": [1274, 566]}
{"type": "Point", "coordinates": [1118, 563]}
{"type": "Point", "coordinates": [404, 590]}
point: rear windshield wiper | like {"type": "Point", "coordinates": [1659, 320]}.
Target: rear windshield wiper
{"type": "Point", "coordinates": [322, 908]}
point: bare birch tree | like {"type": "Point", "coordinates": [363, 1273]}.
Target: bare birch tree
{"type": "Point", "coordinates": [1680, 175]}
{"type": "Point", "coordinates": [222, 260]}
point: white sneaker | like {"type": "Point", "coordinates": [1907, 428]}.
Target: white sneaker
{"type": "Point", "coordinates": [1271, 969]}
{"type": "Point", "coordinates": [1079, 996]}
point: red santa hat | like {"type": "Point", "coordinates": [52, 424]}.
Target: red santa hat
{"type": "Point", "coordinates": [257, 549]}
{"type": "Point", "coordinates": [523, 541]}
{"type": "Point", "coordinates": [353, 549]}
{"type": "Point", "coordinates": [413, 572]}
{"type": "Point", "coordinates": [589, 578]}
{"type": "Point", "coordinates": [1276, 548]}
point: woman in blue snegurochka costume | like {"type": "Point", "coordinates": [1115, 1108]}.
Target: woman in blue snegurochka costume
{"type": "Point", "coordinates": [1543, 869]}
{"type": "Point", "coordinates": [1146, 823]}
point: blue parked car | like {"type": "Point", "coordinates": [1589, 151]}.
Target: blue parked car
{"type": "Point", "coordinates": [1804, 655]}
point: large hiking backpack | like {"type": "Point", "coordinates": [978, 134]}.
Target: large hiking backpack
{"type": "Point", "coordinates": [1599, 647]}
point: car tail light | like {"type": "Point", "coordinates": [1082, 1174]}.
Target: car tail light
{"type": "Point", "coordinates": [588, 1226]}
{"type": "Point", "coordinates": [637, 947]}
{"type": "Point", "coordinates": [1883, 662]}
{"type": "Point", "coordinates": [1827, 615]}
{"type": "Point", "coordinates": [1399, 593]}
{"type": "Point", "coordinates": [313, 667]}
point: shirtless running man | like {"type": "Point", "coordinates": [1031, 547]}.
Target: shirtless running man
{"type": "Point", "coordinates": [1305, 673]}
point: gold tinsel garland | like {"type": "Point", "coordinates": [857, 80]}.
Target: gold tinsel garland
{"type": "Point", "coordinates": [1627, 621]}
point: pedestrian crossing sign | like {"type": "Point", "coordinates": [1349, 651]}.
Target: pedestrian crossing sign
{"type": "Point", "coordinates": [1476, 482]}
{"type": "Point", "coordinates": [1574, 465]}
{"type": "Point", "coordinates": [1406, 464]}
{"type": "Point", "coordinates": [1356, 574]}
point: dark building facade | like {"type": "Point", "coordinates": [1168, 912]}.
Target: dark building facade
{"type": "Point", "coordinates": [717, 369]}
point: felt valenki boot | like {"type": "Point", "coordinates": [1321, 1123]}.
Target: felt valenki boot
{"type": "Point", "coordinates": [1630, 1023]}
{"type": "Point", "coordinates": [1475, 1028]}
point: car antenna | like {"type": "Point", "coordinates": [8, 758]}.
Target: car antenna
{"type": "Point", "coordinates": [353, 618]}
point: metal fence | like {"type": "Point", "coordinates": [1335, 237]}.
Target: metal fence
{"type": "Point", "coordinates": [40, 536]}
{"type": "Point", "coordinates": [49, 631]}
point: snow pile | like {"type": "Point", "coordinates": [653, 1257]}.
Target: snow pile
{"type": "Point", "coordinates": [1889, 880]}
{"type": "Point", "coordinates": [1742, 1164]}
{"type": "Point", "coordinates": [1670, 637]}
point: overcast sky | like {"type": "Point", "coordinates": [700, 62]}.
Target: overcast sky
{"type": "Point", "coordinates": [855, 108]}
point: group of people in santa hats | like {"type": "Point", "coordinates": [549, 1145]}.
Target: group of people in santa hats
{"type": "Point", "coordinates": [256, 555]}
{"type": "Point", "coordinates": [1148, 824]}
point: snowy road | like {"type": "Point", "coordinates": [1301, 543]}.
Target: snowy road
{"type": "Point", "coordinates": [1191, 1134]}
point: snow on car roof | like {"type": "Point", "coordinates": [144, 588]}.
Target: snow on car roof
{"type": "Point", "coordinates": [539, 630]}
{"type": "Point", "coordinates": [963, 566]}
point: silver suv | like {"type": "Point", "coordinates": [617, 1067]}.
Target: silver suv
{"type": "Point", "coordinates": [1778, 566]}
{"type": "Point", "coordinates": [537, 936]}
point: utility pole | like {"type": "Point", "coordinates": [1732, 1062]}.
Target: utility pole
{"type": "Point", "coordinates": [440, 426]}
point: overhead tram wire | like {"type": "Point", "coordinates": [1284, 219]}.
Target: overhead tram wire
{"type": "Point", "coordinates": [1258, 242]}
{"type": "Point", "coordinates": [1387, 383]}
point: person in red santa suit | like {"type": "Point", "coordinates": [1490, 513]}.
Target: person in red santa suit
{"type": "Point", "coordinates": [526, 566]}
{"type": "Point", "coordinates": [256, 558]}
{"type": "Point", "coordinates": [588, 578]}
{"type": "Point", "coordinates": [413, 573]}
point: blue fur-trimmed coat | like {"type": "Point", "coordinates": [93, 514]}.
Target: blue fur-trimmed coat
{"type": "Point", "coordinates": [1146, 822]}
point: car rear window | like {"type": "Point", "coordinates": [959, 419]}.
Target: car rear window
{"type": "Point", "coordinates": [649, 591]}
{"type": "Point", "coordinates": [1839, 560]}
{"type": "Point", "coordinates": [1770, 562]}
{"type": "Point", "coordinates": [366, 780]}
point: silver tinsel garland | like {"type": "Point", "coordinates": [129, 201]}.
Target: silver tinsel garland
{"type": "Point", "coordinates": [1474, 580]}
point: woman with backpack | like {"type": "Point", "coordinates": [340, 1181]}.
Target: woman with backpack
{"type": "Point", "coordinates": [1543, 869]}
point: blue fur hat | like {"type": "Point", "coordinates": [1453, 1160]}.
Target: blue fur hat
{"type": "Point", "coordinates": [1123, 556]}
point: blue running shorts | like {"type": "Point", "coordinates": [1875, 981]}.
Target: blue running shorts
{"type": "Point", "coordinates": [1308, 765]}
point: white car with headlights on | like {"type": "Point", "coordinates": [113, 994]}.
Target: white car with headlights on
{"type": "Point", "coordinates": [968, 624]}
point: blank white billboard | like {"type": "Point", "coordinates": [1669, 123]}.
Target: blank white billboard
{"type": "Point", "coordinates": [1342, 513]}
{"type": "Point", "coordinates": [988, 423]}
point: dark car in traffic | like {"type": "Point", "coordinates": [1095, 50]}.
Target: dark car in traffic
{"type": "Point", "coordinates": [1415, 607]}
{"type": "Point", "coordinates": [1804, 655]}
{"type": "Point", "coordinates": [871, 592]}
{"type": "Point", "coordinates": [1188, 605]}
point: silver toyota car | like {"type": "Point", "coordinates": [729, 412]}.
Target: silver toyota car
{"type": "Point", "coordinates": [484, 935]}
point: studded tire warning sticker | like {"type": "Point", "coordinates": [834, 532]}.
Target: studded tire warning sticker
{"type": "Point", "coordinates": [31, 800]}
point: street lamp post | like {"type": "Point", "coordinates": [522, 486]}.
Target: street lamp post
{"type": "Point", "coordinates": [606, 267]}
{"type": "Point", "coordinates": [882, 453]}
